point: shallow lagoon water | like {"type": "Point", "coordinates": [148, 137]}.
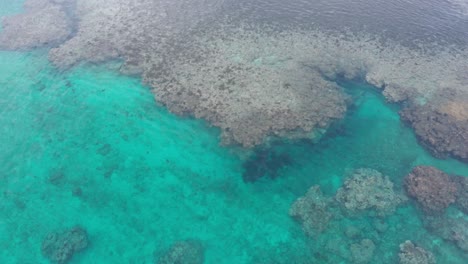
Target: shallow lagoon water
{"type": "Point", "coordinates": [91, 147]}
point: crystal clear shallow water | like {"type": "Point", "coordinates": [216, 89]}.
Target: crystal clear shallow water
{"type": "Point", "coordinates": [90, 147]}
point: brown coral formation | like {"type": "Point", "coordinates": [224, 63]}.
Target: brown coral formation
{"type": "Point", "coordinates": [450, 228]}
{"type": "Point", "coordinates": [368, 189]}
{"type": "Point", "coordinates": [433, 189]}
{"type": "Point", "coordinates": [412, 254]}
{"type": "Point", "coordinates": [43, 23]}
{"type": "Point", "coordinates": [442, 124]}
{"type": "Point", "coordinates": [313, 211]}
{"type": "Point", "coordinates": [59, 247]}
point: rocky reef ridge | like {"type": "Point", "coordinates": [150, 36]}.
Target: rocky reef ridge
{"type": "Point", "coordinates": [252, 81]}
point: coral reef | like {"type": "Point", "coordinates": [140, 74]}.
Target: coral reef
{"type": "Point", "coordinates": [253, 82]}
{"type": "Point", "coordinates": [59, 247]}
{"type": "Point", "coordinates": [44, 22]}
{"type": "Point", "coordinates": [462, 194]}
{"type": "Point", "coordinates": [412, 254]}
{"type": "Point", "coordinates": [368, 189]}
{"type": "Point", "coordinates": [227, 93]}
{"type": "Point", "coordinates": [450, 228]}
{"type": "Point", "coordinates": [441, 125]}
{"type": "Point", "coordinates": [363, 251]}
{"type": "Point", "coordinates": [230, 94]}
{"type": "Point", "coordinates": [129, 29]}
{"type": "Point", "coordinates": [433, 189]}
{"type": "Point", "coordinates": [264, 162]}
{"type": "Point", "coordinates": [313, 211]}
{"type": "Point", "coordinates": [294, 69]}
{"type": "Point", "coordinates": [184, 252]}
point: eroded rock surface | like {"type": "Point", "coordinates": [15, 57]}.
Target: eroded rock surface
{"type": "Point", "coordinates": [433, 189]}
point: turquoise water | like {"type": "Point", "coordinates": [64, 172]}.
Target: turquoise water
{"type": "Point", "coordinates": [91, 147]}
{"type": "Point", "coordinates": [10, 7]}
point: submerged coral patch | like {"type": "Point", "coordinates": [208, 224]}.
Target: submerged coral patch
{"type": "Point", "coordinates": [412, 254]}
{"type": "Point", "coordinates": [368, 189]}
{"type": "Point", "coordinates": [184, 252]}
{"type": "Point", "coordinates": [312, 211]}
{"type": "Point", "coordinates": [59, 247]}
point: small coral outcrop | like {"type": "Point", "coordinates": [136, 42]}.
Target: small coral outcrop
{"type": "Point", "coordinates": [312, 210]}
{"type": "Point", "coordinates": [412, 254]}
{"type": "Point", "coordinates": [59, 247]}
{"type": "Point", "coordinates": [368, 189]}
{"type": "Point", "coordinates": [451, 228]}
{"type": "Point", "coordinates": [442, 124]}
{"type": "Point", "coordinates": [184, 252]}
{"type": "Point", "coordinates": [433, 189]}
{"type": "Point", "coordinates": [363, 251]}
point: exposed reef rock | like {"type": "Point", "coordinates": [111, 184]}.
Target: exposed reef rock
{"type": "Point", "coordinates": [43, 23]}
{"type": "Point", "coordinates": [251, 81]}
{"type": "Point", "coordinates": [312, 211]}
{"type": "Point", "coordinates": [59, 247]}
{"type": "Point", "coordinates": [368, 189]}
{"type": "Point", "coordinates": [184, 252]}
{"type": "Point", "coordinates": [264, 162]}
{"type": "Point", "coordinates": [412, 254]}
{"type": "Point", "coordinates": [441, 125]}
{"type": "Point", "coordinates": [433, 189]}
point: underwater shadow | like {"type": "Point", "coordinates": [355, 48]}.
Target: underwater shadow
{"type": "Point", "coordinates": [265, 162]}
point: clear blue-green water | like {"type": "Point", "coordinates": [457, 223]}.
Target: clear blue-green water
{"type": "Point", "coordinates": [91, 147]}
